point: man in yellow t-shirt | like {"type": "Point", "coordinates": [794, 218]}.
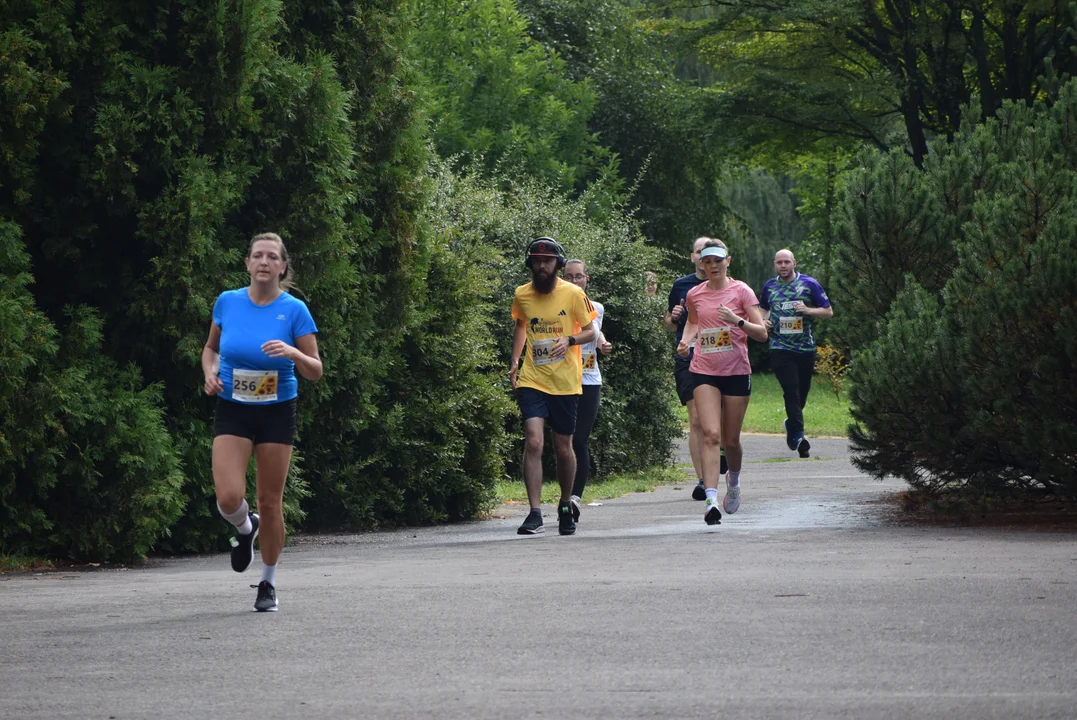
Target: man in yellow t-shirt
{"type": "Point", "coordinates": [553, 318]}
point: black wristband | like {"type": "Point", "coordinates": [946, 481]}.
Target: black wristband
{"type": "Point", "coordinates": [740, 323]}
{"type": "Point", "coordinates": [571, 340]}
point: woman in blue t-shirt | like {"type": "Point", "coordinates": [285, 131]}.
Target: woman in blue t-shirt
{"type": "Point", "coordinates": [259, 338]}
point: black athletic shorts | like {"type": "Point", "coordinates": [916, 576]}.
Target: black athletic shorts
{"type": "Point", "coordinates": [683, 377]}
{"type": "Point", "coordinates": [268, 423]}
{"type": "Point", "coordinates": [731, 385]}
{"type": "Point", "coordinates": [560, 409]}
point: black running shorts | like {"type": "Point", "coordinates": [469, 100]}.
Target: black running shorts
{"type": "Point", "coordinates": [731, 385]}
{"type": "Point", "coordinates": [268, 423]}
{"type": "Point", "coordinates": [683, 377]}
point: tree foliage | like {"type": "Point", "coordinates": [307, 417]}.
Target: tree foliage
{"type": "Point", "coordinates": [636, 425]}
{"type": "Point", "coordinates": [144, 145]}
{"type": "Point", "coordinates": [963, 380]}
{"type": "Point", "coordinates": [854, 68]}
{"type": "Point", "coordinates": [496, 95]}
{"type": "Point", "coordinates": [670, 152]}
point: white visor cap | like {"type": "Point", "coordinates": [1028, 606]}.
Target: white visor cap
{"type": "Point", "coordinates": [718, 252]}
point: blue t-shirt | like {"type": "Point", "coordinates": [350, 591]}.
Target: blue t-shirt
{"type": "Point", "coordinates": [789, 329]}
{"type": "Point", "coordinates": [677, 293]}
{"type": "Point", "coordinates": [245, 327]}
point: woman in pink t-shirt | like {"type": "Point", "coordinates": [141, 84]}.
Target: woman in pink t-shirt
{"type": "Point", "coordinates": [722, 314]}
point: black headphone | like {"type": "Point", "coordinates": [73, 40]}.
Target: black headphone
{"type": "Point", "coordinates": [546, 247]}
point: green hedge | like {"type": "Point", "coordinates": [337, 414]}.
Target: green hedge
{"type": "Point", "coordinates": [143, 146]}
{"type": "Point", "coordinates": [636, 426]}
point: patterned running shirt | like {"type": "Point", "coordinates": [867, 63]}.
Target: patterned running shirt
{"type": "Point", "coordinates": [789, 329]}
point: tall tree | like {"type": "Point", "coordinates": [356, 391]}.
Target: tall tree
{"type": "Point", "coordinates": [849, 67]}
{"type": "Point", "coordinates": [494, 93]}
{"type": "Point", "coordinates": [670, 149]}
{"type": "Point", "coordinates": [144, 144]}
{"type": "Point", "coordinates": [962, 383]}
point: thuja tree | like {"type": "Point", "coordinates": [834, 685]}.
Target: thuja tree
{"type": "Point", "coordinates": [153, 140]}
{"type": "Point", "coordinates": [967, 389]}
{"type": "Point", "coordinates": [87, 469]}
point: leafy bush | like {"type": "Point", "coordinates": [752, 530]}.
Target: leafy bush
{"type": "Point", "coordinates": [87, 468]}
{"type": "Point", "coordinates": [636, 425]}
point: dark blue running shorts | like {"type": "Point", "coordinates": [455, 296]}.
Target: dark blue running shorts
{"type": "Point", "coordinates": [560, 410]}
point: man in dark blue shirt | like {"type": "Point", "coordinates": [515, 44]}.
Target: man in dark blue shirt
{"type": "Point", "coordinates": [676, 317]}
{"type": "Point", "coordinates": [791, 302]}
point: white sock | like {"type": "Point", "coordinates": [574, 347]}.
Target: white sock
{"type": "Point", "coordinates": [733, 479]}
{"type": "Point", "coordinates": [712, 495]}
{"type": "Point", "coordinates": [239, 518]}
{"type": "Point", "coordinates": [269, 574]}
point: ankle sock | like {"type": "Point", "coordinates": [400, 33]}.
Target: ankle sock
{"type": "Point", "coordinates": [240, 518]}
{"type": "Point", "coordinates": [733, 479]}
{"type": "Point", "coordinates": [269, 574]}
{"type": "Point", "coordinates": [712, 495]}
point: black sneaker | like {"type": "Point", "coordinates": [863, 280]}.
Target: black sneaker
{"type": "Point", "coordinates": [267, 597]}
{"type": "Point", "coordinates": [699, 492]}
{"type": "Point", "coordinates": [565, 524]}
{"type": "Point", "coordinates": [243, 546]}
{"type": "Point", "coordinates": [532, 524]}
{"type": "Point", "coordinates": [713, 516]}
{"type": "Point", "coordinates": [790, 436]}
{"type": "Point", "coordinates": [724, 467]}
{"type": "Point", "coordinates": [803, 447]}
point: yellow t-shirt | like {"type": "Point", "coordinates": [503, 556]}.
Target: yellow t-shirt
{"type": "Point", "coordinates": [548, 316]}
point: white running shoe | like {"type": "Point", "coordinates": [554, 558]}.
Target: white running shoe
{"type": "Point", "coordinates": [574, 500]}
{"type": "Point", "coordinates": [731, 501]}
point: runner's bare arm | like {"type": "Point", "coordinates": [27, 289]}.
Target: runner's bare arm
{"type": "Point", "coordinates": [305, 356]}
{"type": "Point", "coordinates": [308, 362]}
{"type": "Point", "coordinates": [519, 339]}
{"type": "Point", "coordinates": [604, 345]}
{"type": "Point", "coordinates": [755, 326]}
{"type": "Point", "coordinates": [820, 313]}
{"type": "Point", "coordinates": [766, 319]}
{"type": "Point", "coordinates": [689, 334]}
{"type": "Point", "coordinates": [211, 360]}
{"type": "Point", "coordinates": [673, 317]}
{"type": "Point", "coordinates": [585, 335]}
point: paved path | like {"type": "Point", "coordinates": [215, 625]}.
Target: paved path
{"type": "Point", "coordinates": [810, 602]}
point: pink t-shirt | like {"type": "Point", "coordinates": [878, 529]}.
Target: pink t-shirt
{"type": "Point", "coordinates": [721, 348]}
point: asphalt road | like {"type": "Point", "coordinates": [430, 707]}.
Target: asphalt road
{"type": "Point", "coordinates": [813, 601]}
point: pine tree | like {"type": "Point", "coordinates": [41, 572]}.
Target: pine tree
{"type": "Point", "coordinates": [968, 390]}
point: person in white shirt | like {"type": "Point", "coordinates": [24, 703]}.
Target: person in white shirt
{"type": "Point", "coordinates": [587, 411]}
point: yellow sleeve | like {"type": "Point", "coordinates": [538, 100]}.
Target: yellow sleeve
{"type": "Point", "coordinates": [584, 310]}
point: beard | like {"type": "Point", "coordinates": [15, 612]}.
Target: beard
{"type": "Point", "coordinates": [542, 282]}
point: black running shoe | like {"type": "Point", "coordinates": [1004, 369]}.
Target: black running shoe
{"type": "Point", "coordinates": [532, 524]}
{"type": "Point", "coordinates": [699, 492]}
{"type": "Point", "coordinates": [243, 546]}
{"type": "Point", "coordinates": [803, 447]}
{"type": "Point", "coordinates": [724, 468]}
{"type": "Point", "coordinates": [713, 516]}
{"type": "Point", "coordinates": [565, 524]}
{"type": "Point", "coordinates": [267, 597]}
